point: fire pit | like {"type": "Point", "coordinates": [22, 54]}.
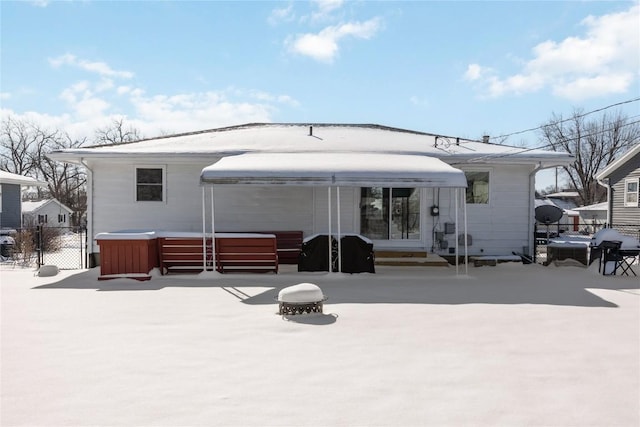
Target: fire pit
{"type": "Point", "coordinates": [300, 299]}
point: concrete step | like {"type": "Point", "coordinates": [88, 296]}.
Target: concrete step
{"type": "Point", "coordinates": [409, 259]}
{"type": "Point", "coordinates": [401, 254]}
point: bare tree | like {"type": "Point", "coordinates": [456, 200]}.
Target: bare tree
{"type": "Point", "coordinates": [23, 148]}
{"type": "Point", "coordinates": [594, 142]}
{"type": "Point", "coordinates": [117, 133]}
{"type": "Point", "coordinates": [67, 182]}
{"type": "Point", "coordinates": [19, 143]}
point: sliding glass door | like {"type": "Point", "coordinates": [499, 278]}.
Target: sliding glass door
{"type": "Point", "coordinates": [390, 213]}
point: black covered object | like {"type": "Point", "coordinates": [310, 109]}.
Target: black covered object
{"type": "Point", "coordinates": [315, 253]}
{"type": "Point", "coordinates": [357, 255]}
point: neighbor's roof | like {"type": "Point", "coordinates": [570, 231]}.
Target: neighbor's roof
{"type": "Point", "coordinates": [604, 206]}
{"type": "Point", "coordinates": [29, 206]}
{"type": "Point", "coordinates": [563, 194]}
{"type": "Point", "coordinates": [613, 166]}
{"type": "Point", "coordinates": [290, 138]}
{"type": "Point", "coordinates": [12, 178]}
{"type": "Point", "coordinates": [346, 169]}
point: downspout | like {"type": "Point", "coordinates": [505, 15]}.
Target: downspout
{"type": "Point", "coordinates": [606, 183]}
{"type": "Point", "coordinates": [532, 197]}
{"type": "Point", "coordinates": [90, 233]}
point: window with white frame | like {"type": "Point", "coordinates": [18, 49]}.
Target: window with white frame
{"type": "Point", "coordinates": [477, 187]}
{"type": "Point", "coordinates": [62, 218]}
{"type": "Point", "coordinates": [42, 219]}
{"type": "Point", "coordinates": [150, 183]}
{"type": "Point", "coordinates": [631, 192]}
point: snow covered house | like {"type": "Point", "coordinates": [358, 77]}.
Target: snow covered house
{"type": "Point", "coordinates": [397, 187]}
{"type": "Point", "coordinates": [622, 180]}
{"type": "Point", "coordinates": [11, 186]}
{"type": "Point", "coordinates": [49, 212]}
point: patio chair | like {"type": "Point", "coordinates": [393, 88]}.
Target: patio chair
{"type": "Point", "coordinates": [620, 259]}
{"type": "Point", "coordinates": [629, 257]}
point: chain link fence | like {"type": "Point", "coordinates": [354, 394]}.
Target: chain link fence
{"type": "Point", "coordinates": [64, 247]}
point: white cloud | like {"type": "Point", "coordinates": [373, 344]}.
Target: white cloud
{"type": "Point", "coordinates": [93, 105]}
{"type": "Point", "coordinates": [603, 61]}
{"type": "Point", "coordinates": [193, 111]}
{"type": "Point", "coordinates": [323, 46]}
{"type": "Point", "coordinates": [97, 100]}
{"type": "Point", "coordinates": [325, 8]}
{"type": "Point", "coordinates": [40, 3]}
{"type": "Point", "coordinates": [284, 14]}
{"type": "Point", "coordinates": [100, 68]}
{"type": "Point", "coordinates": [5, 95]}
{"type": "Point", "coordinates": [595, 86]}
{"type": "Point", "coordinates": [474, 72]}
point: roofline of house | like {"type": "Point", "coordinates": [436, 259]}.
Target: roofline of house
{"type": "Point", "coordinates": [50, 201]}
{"type": "Point", "coordinates": [306, 124]}
{"type": "Point", "coordinates": [613, 166]}
{"type": "Point", "coordinates": [519, 156]}
{"type": "Point", "coordinates": [77, 157]}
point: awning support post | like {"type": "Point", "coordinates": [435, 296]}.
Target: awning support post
{"type": "Point", "coordinates": [204, 232]}
{"type": "Point", "coordinates": [213, 234]}
{"type": "Point", "coordinates": [339, 233]}
{"type": "Point", "coordinates": [466, 243]}
{"type": "Point", "coordinates": [457, 195]}
{"type": "Point", "coordinates": [329, 236]}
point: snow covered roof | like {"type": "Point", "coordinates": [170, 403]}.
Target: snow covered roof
{"type": "Point", "coordinates": [346, 169]}
{"type": "Point", "coordinates": [311, 138]}
{"type": "Point", "coordinates": [29, 206]}
{"type": "Point", "coordinates": [604, 206]}
{"type": "Point", "coordinates": [613, 166]}
{"type": "Point", "coordinates": [563, 194]}
{"type": "Point", "coordinates": [12, 178]}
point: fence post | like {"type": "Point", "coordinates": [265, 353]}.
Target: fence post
{"type": "Point", "coordinates": [39, 248]}
{"type": "Point", "coordinates": [535, 242]}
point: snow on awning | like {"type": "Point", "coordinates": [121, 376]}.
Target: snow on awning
{"type": "Point", "coordinates": [334, 169]}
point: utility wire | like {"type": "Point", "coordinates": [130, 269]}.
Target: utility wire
{"type": "Point", "coordinates": [571, 118]}
{"type": "Point", "coordinates": [524, 150]}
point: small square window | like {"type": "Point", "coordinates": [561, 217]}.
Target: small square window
{"type": "Point", "coordinates": [149, 184]}
{"type": "Point", "coordinates": [477, 187]}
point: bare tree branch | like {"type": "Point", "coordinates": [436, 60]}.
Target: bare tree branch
{"type": "Point", "coordinates": [595, 143]}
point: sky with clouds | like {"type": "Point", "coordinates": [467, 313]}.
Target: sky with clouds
{"type": "Point", "coordinates": [452, 68]}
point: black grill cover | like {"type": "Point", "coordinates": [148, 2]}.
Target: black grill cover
{"type": "Point", "coordinates": [357, 255]}
{"type": "Point", "coordinates": [315, 253]}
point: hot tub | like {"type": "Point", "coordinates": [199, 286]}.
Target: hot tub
{"type": "Point", "coordinates": [130, 254]}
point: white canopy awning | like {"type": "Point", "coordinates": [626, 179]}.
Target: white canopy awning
{"type": "Point", "coordinates": [334, 169]}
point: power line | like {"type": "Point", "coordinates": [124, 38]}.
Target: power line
{"type": "Point", "coordinates": [525, 150]}
{"type": "Point", "coordinates": [571, 118]}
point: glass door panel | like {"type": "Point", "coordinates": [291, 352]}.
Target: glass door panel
{"type": "Point", "coordinates": [374, 213]}
{"type": "Point", "coordinates": [405, 214]}
{"type": "Point", "coordinates": [390, 214]}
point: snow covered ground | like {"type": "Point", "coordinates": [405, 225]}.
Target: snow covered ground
{"type": "Point", "coordinates": [510, 345]}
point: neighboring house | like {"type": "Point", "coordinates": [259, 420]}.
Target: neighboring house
{"type": "Point", "coordinates": [11, 198]}
{"type": "Point", "coordinates": [567, 201]}
{"type": "Point", "coordinates": [161, 184]}
{"type": "Point", "coordinates": [621, 178]}
{"type": "Point", "coordinates": [49, 212]}
{"type": "Point", "coordinates": [593, 217]}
